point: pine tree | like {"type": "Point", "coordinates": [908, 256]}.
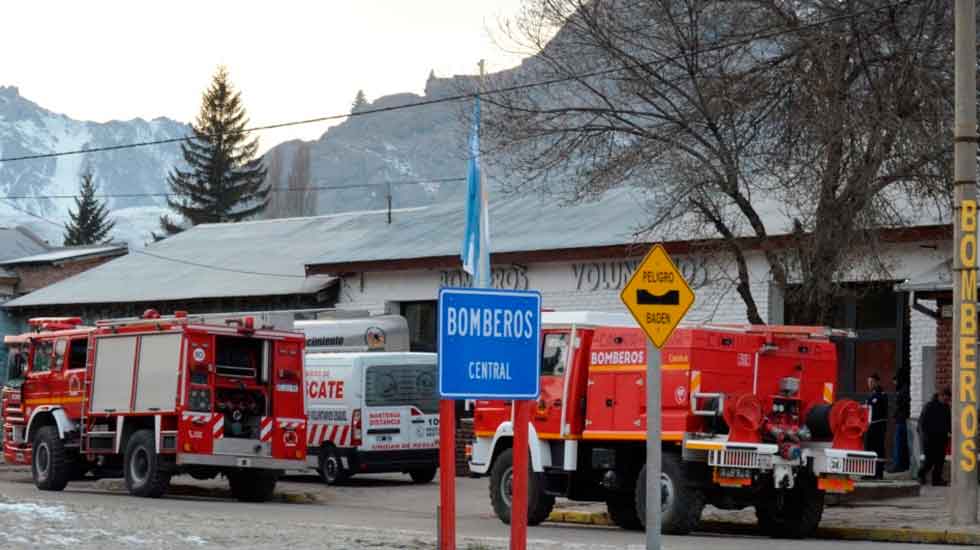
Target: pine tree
{"type": "Point", "coordinates": [224, 181]}
{"type": "Point", "coordinates": [359, 101]}
{"type": "Point", "coordinates": [89, 222]}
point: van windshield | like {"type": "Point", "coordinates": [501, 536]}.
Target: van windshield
{"type": "Point", "coordinates": [402, 385]}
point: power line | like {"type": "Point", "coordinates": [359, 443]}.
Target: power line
{"type": "Point", "coordinates": [749, 38]}
{"type": "Point", "coordinates": [216, 268]}
{"type": "Point", "coordinates": [273, 190]}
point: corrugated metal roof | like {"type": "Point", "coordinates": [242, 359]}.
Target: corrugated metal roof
{"type": "Point", "coordinates": [208, 261]}
{"type": "Point", "coordinates": [66, 253]}
{"type": "Point", "coordinates": [937, 279]}
{"type": "Point", "coordinates": [16, 242]}
{"type": "Point", "coordinates": [269, 257]}
{"type": "Point", "coordinates": [517, 224]}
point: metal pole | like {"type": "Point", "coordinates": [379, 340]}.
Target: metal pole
{"type": "Point", "coordinates": [447, 474]}
{"type": "Point", "coordinates": [963, 487]}
{"type": "Point", "coordinates": [519, 482]}
{"type": "Point", "coordinates": [653, 447]}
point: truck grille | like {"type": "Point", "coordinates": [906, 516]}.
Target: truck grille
{"type": "Point", "coordinates": [739, 458]}
{"type": "Point", "coordinates": [852, 465]}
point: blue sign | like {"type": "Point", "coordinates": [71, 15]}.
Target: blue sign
{"type": "Point", "coordinates": [489, 344]}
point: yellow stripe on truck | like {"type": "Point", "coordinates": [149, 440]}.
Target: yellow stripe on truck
{"type": "Point", "coordinates": [828, 392]}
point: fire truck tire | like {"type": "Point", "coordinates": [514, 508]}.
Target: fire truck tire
{"type": "Point", "coordinates": [143, 472]}
{"type": "Point", "coordinates": [681, 505]}
{"type": "Point", "coordinates": [423, 475]}
{"type": "Point", "coordinates": [50, 464]}
{"type": "Point", "coordinates": [331, 468]}
{"type": "Point", "coordinates": [622, 512]}
{"type": "Point", "coordinates": [539, 504]}
{"type": "Point", "coordinates": [791, 514]}
{"type": "Point", "coordinates": [253, 485]}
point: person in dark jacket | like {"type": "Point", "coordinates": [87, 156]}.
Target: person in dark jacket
{"type": "Point", "coordinates": [936, 426]}
{"type": "Point", "coordinates": [903, 409]}
{"type": "Point", "coordinates": [874, 440]}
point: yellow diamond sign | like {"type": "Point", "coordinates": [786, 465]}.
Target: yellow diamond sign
{"type": "Point", "coordinates": [657, 295]}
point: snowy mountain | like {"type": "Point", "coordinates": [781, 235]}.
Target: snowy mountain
{"type": "Point", "coordinates": [351, 165]}
{"type": "Point", "coordinates": [349, 168]}
{"type": "Point", "coordinates": [28, 129]}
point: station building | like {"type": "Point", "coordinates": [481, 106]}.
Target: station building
{"type": "Point", "coordinates": [578, 256]}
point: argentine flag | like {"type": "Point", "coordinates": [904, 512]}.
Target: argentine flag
{"type": "Point", "coordinates": [476, 241]}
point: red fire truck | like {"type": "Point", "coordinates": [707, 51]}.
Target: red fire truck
{"type": "Point", "coordinates": [748, 415]}
{"type": "Point", "coordinates": [148, 398]}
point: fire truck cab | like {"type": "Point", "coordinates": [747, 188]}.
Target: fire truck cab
{"type": "Point", "coordinates": [748, 419]}
{"type": "Point", "coordinates": [152, 397]}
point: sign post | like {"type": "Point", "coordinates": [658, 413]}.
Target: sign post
{"type": "Point", "coordinates": [489, 348]}
{"type": "Point", "coordinates": [962, 495]}
{"type": "Point", "coordinates": [658, 297]}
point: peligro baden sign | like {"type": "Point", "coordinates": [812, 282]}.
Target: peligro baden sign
{"type": "Point", "coordinates": [489, 344]}
{"type": "Point", "coordinates": [966, 455]}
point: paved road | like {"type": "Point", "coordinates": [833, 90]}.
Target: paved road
{"type": "Point", "coordinates": [380, 513]}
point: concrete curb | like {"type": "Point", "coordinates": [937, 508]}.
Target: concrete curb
{"type": "Point", "coordinates": [873, 534]}
{"type": "Point", "coordinates": [219, 492]}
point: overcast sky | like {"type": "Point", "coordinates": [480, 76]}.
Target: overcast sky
{"type": "Point", "coordinates": [103, 60]}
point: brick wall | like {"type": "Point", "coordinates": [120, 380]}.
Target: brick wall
{"type": "Point", "coordinates": [944, 353]}
{"type": "Point", "coordinates": [464, 437]}
{"type": "Point", "coordinates": [922, 333]}
{"type": "Point", "coordinates": [33, 277]}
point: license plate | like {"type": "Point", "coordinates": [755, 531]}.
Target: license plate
{"type": "Point", "coordinates": [244, 462]}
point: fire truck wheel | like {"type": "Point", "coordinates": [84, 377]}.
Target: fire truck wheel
{"type": "Point", "coordinates": [622, 512]}
{"type": "Point", "coordinates": [539, 504]}
{"type": "Point", "coordinates": [793, 513]}
{"type": "Point", "coordinates": [143, 472]}
{"type": "Point", "coordinates": [681, 504]}
{"type": "Point", "coordinates": [331, 468]}
{"type": "Point", "coordinates": [423, 475]}
{"type": "Point", "coordinates": [50, 465]}
{"type": "Point", "coordinates": [253, 485]}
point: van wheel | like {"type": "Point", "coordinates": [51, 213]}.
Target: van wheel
{"type": "Point", "coordinates": [50, 466]}
{"type": "Point", "coordinates": [423, 475]}
{"type": "Point", "coordinates": [144, 476]}
{"type": "Point", "coordinates": [791, 513]}
{"type": "Point", "coordinates": [331, 468]}
{"type": "Point", "coordinates": [539, 504]}
{"type": "Point", "coordinates": [253, 485]}
{"type": "Point", "coordinates": [680, 503]}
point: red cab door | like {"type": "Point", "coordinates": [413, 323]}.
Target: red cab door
{"type": "Point", "coordinates": [37, 383]}
{"type": "Point", "coordinates": [556, 346]}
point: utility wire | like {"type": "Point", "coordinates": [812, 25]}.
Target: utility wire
{"type": "Point", "coordinates": [216, 268]}
{"type": "Point", "coordinates": [749, 38]}
{"type": "Point", "coordinates": [273, 190]}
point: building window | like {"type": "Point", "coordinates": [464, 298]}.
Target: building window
{"type": "Point", "coordinates": [422, 328]}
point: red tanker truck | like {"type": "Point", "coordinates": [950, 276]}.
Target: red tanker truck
{"type": "Point", "coordinates": [749, 418]}
{"type": "Point", "coordinates": [151, 397]}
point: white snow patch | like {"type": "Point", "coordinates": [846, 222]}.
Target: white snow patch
{"type": "Point", "coordinates": [34, 511]}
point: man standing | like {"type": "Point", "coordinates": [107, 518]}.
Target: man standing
{"type": "Point", "coordinates": [874, 440]}
{"type": "Point", "coordinates": [903, 409]}
{"type": "Point", "coordinates": [935, 425]}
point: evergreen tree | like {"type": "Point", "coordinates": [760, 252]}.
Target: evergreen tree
{"type": "Point", "coordinates": [224, 180]}
{"type": "Point", "coordinates": [359, 101]}
{"type": "Point", "coordinates": [89, 222]}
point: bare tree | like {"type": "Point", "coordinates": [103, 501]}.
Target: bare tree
{"type": "Point", "coordinates": [293, 192]}
{"type": "Point", "coordinates": [730, 111]}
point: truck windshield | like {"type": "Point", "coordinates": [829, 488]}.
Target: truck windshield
{"type": "Point", "coordinates": [402, 385]}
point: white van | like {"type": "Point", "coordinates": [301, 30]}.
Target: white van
{"type": "Point", "coordinates": [372, 412]}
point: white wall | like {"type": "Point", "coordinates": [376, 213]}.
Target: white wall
{"type": "Point", "coordinates": [586, 285]}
